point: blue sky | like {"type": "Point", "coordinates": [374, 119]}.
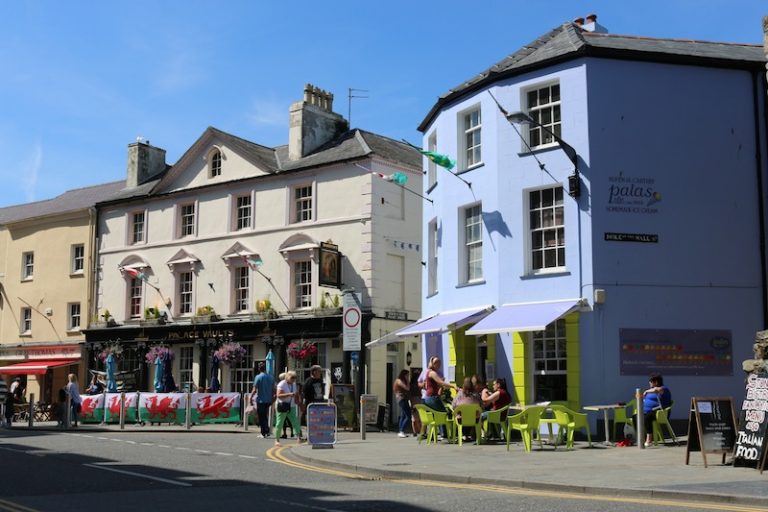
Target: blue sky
{"type": "Point", "coordinates": [83, 79]}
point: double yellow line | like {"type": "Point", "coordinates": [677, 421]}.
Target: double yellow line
{"type": "Point", "coordinates": [276, 454]}
{"type": "Point", "coordinates": [9, 506]}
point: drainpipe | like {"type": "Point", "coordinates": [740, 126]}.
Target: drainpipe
{"type": "Point", "coordinates": [757, 78]}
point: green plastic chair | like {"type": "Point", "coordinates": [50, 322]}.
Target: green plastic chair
{"type": "Point", "coordinates": [496, 419]}
{"type": "Point", "coordinates": [426, 418]}
{"type": "Point", "coordinates": [622, 417]}
{"type": "Point", "coordinates": [467, 415]}
{"type": "Point", "coordinates": [569, 422]}
{"type": "Point", "coordinates": [440, 419]}
{"type": "Point", "coordinates": [527, 423]}
{"type": "Point", "coordinates": [662, 419]}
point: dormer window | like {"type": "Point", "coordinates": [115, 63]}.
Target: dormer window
{"type": "Point", "coordinates": [215, 163]}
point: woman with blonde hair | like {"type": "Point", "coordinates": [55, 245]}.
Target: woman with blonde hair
{"type": "Point", "coordinates": [74, 396]}
{"type": "Point", "coordinates": [286, 396]}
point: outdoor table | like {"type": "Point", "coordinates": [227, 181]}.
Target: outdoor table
{"type": "Point", "coordinates": [605, 409]}
{"type": "Point", "coordinates": [43, 412]}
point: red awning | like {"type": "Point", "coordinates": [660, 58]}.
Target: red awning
{"type": "Point", "coordinates": [35, 367]}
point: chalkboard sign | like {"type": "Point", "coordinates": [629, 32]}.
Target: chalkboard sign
{"type": "Point", "coordinates": [346, 405]}
{"type": "Point", "coordinates": [711, 427]}
{"type": "Point", "coordinates": [753, 424]}
{"type": "Point", "coordinates": [321, 424]}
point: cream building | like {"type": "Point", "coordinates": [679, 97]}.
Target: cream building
{"type": "Point", "coordinates": [183, 240]}
{"type": "Point", "coordinates": [46, 287]}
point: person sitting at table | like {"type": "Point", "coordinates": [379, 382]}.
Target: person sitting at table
{"type": "Point", "coordinates": [499, 398]}
{"type": "Point", "coordinates": [433, 384]}
{"type": "Point", "coordinates": [481, 391]}
{"type": "Point", "coordinates": [466, 396]}
{"type": "Point", "coordinates": [95, 387]}
{"type": "Point", "coordinates": [658, 396]}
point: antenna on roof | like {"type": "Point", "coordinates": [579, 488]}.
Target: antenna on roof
{"type": "Point", "coordinates": [349, 97]}
{"type": "Point", "coordinates": [139, 139]}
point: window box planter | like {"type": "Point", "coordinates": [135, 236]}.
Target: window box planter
{"type": "Point", "coordinates": [205, 319]}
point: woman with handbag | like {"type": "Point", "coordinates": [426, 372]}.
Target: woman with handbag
{"type": "Point", "coordinates": [286, 396]}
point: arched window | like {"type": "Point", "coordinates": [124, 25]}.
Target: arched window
{"type": "Point", "coordinates": [215, 163]}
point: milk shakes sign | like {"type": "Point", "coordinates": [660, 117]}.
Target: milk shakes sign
{"type": "Point", "coordinates": [632, 194]}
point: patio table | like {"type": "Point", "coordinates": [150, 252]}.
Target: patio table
{"type": "Point", "coordinates": [605, 409]}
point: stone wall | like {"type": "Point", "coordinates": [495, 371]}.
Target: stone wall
{"type": "Point", "coordinates": [760, 362]}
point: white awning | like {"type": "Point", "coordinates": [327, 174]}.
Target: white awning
{"type": "Point", "coordinates": [446, 321]}
{"type": "Point", "coordinates": [524, 316]}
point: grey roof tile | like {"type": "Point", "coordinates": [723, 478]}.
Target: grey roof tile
{"type": "Point", "coordinates": [71, 200]}
{"type": "Point", "coordinates": [568, 41]}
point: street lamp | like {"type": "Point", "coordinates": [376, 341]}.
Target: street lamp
{"type": "Point", "coordinates": [574, 183]}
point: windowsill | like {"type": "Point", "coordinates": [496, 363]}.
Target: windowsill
{"type": "Point", "coordinates": [539, 149]}
{"type": "Point", "coordinates": [79, 273]}
{"type": "Point", "coordinates": [25, 279]}
{"type": "Point", "coordinates": [26, 334]}
{"type": "Point", "coordinates": [73, 332]}
{"type": "Point", "coordinates": [432, 187]}
{"type": "Point", "coordinates": [432, 294]}
{"type": "Point", "coordinates": [137, 243]}
{"type": "Point", "coordinates": [471, 168]}
{"type": "Point", "coordinates": [471, 283]}
{"type": "Point", "coordinates": [553, 273]}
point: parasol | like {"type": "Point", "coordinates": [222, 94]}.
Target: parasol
{"type": "Point", "coordinates": [111, 382]}
{"type": "Point", "coordinates": [169, 385]}
{"type": "Point", "coordinates": [158, 375]}
{"type": "Point", "coordinates": [214, 374]}
{"type": "Point", "coordinates": [270, 366]}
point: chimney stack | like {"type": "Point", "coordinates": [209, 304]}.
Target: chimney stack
{"type": "Point", "coordinates": [591, 24]}
{"type": "Point", "coordinates": [312, 122]}
{"type": "Point", "coordinates": [144, 163]}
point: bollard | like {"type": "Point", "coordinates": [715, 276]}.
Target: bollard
{"type": "Point", "coordinates": [67, 412]}
{"type": "Point", "coordinates": [640, 421]}
{"type": "Point", "coordinates": [245, 414]}
{"type": "Point", "coordinates": [362, 419]}
{"type": "Point", "coordinates": [31, 411]}
{"type": "Point", "coordinates": [188, 419]}
{"type": "Point", "coordinates": [122, 410]}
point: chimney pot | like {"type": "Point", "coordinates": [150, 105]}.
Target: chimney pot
{"type": "Point", "coordinates": [591, 18]}
{"type": "Point", "coordinates": [579, 21]}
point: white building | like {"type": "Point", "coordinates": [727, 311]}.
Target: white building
{"type": "Point", "coordinates": [191, 230]}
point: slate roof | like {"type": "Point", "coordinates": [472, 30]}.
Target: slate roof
{"type": "Point", "coordinates": [69, 201]}
{"type": "Point", "coordinates": [568, 42]}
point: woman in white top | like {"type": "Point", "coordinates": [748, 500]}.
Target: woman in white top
{"type": "Point", "coordinates": [74, 395]}
{"type": "Point", "coordinates": [286, 393]}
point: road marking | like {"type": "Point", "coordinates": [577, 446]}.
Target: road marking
{"type": "Point", "coordinates": [147, 444]}
{"type": "Point", "coordinates": [223, 454]}
{"type": "Point", "coordinates": [275, 454]}
{"type": "Point", "coordinates": [202, 451]}
{"type": "Point", "coordinates": [303, 505]}
{"type": "Point", "coordinates": [10, 506]}
{"type": "Point", "coordinates": [163, 446]}
{"type": "Point", "coordinates": [183, 448]}
{"type": "Point", "coordinates": [247, 457]}
{"type": "Point", "coordinates": [139, 475]}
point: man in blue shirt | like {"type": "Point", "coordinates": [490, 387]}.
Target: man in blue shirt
{"type": "Point", "coordinates": [264, 389]}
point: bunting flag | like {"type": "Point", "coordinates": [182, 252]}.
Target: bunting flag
{"type": "Point", "coordinates": [397, 177]}
{"type": "Point", "coordinates": [441, 160]}
{"type": "Point", "coordinates": [135, 273]}
{"type": "Point", "coordinates": [406, 246]}
{"type": "Point", "coordinates": [253, 261]}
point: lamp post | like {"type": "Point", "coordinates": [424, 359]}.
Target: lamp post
{"type": "Point", "coordinates": [574, 183]}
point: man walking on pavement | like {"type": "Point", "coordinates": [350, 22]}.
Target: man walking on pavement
{"type": "Point", "coordinates": [314, 387]}
{"type": "Point", "coordinates": [264, 387]}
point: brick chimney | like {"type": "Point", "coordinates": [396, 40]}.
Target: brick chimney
{"type": "Point", "coordinates": [144, 163]}
{"type": "Point", "coordinates": [313, 122]}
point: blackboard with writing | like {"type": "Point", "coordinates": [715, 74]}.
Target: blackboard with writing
{"type": "Point", "coordinates": [711, 427]}
{"type": "Point", "coordinates": [753, 424]}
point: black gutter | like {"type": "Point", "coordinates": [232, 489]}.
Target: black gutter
{"type": "Point", "coordinates": [758, 77]}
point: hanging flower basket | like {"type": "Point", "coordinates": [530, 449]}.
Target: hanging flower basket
{"type": "Point", "coordinates": [159, 352]}
{"type": "Point", "coordinates": [112, 348]}
{"type": "Point", "coordinates": [230, 353]}
{"type": "Point", "coordinates": [302, 350]}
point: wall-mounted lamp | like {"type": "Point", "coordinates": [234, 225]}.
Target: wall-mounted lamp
{"type": "Point", "coordinates": [408, 358]}
{"type": "Point", "coordinates": [574, 182]}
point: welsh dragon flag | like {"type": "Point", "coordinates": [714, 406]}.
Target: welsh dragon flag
{"type": "Point", "coordinates": [92, 409]}
{"type": "Point", "coordinates": [215, 408]}
{"type": "Point", "coordinates": [112, 408]}
{"type": "Point", "coordinates": [163, 407]}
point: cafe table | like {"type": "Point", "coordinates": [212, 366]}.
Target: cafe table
{"type": "Point", "coordinates": [605, 409]}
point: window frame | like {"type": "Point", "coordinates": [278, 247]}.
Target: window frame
{"type": "Point", "coordinates": [187, 366]}
{"type": "Point", "coordinates": [468, 246]}
{"type": "Point", "coordinates": [181, 216]}
{"type": "Point", "coordinates": [185, 308]}
{"type": "Point", "coordinates": [464, 131]}
{"type": "Point", "coordinates": [553, 336]}
{"type": "Point", "coordinates": [238, 289]}
{"type": "Point", "coordinates": [135, 300]}
{"type": "Point", "coordinates": [307, 301]}
{"type": "Point", "coordinates": [431, 166]}
{"type": "Point", "coordinates": [236, 210]}
{"type": "Point", "coordinates": [26, 321]}
{"type": "Point", "coordinates": [27, 265]}
{"type": "Point", "coordinates": [531, 246]}
{"type": "Point", "coordinates": [535, 113]}
{"type": "Point", "coordinates": [432, 258]}
{"type": "Point", "coordinates": [72, 316]}
{"type": "Point", "coordinates": [294, 203]}
{"type": "Point", "coordinates": [137, 237]}
{"type": "Point", "coordinates": [214, 163]}
{"type": "Point", "coordinates": [73, 268]}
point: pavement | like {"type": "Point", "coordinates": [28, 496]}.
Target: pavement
{"type": "Point", "coordinates": [655, 472]}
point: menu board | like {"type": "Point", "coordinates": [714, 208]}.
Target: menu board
{"type": "Point", "coordinates": [711, 427]}
{"type": "Point", "coordinates": [321, 424]}
{"type": "Point", "coordinates": [344, 398]}
{"type": "Point", "coordinates": [753, 425]}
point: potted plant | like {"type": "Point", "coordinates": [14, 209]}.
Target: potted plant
{"type": "Point", "coordinates": [264, 309]}
{"type": "Point", "coordinates": [113, 348]}
{"type": "Point", "coordinates": [205, 314]}
{"type": "Point", "coordinates": [328, 305]}
{"type": "Point", "coordinates": [108, 320]}
{"type": "Point", "coordinates": [156, 352]}
{"type": "Point", "coordinates": [302, 351]}
{"type": "Point", "coordinates": [152, 316]}
{"type": "Point", "coordinates": [230, 353]}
